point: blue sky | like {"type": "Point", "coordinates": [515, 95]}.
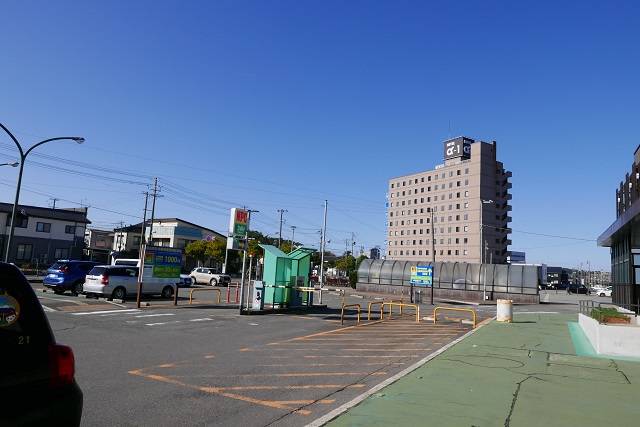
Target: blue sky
{"type": "Point", "coordinates": [284, 104]}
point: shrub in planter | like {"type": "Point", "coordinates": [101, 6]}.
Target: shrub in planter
{"type": "Point", "coordinates": [609, 315]}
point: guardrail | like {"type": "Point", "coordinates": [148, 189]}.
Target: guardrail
{"type": "Point", "coordinates": [342, 313]}
{"type": "Point", "coordinates": [595, 310]}
{"type": "Point", "coordinates": [391, 304]}
{"type": "Point", "coordinates": [203, 289]}
{"type": "Point", "coordinates": [435, 313]}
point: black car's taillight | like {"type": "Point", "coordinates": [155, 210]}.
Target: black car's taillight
{"type": "Point", "coordinates": [61, 365]}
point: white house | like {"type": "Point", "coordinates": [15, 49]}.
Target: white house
{"type": "Point", "coordinates": [43, 235]}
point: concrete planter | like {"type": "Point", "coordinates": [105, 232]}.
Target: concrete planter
{"type": "Point", "coordinates": [619, 339]}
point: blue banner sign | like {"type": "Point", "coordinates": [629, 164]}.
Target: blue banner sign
{"type": "Point", "coordinates": [422, 275]}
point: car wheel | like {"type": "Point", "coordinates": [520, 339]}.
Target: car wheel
{"type": "Point", "coordinates": [167, 292]}
{"type": "Point", "coordinates": [602, 295]}
{"type": "Point", "coordinates": [193, 280]}
{"type": "Point", "coordinates": [78, 288]}
{"type": "Point", "coordinates": [119, 293]}
{"type": "Point", "coordinates": [213, 282]}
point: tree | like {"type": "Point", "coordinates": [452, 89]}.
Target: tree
{"type": "Point", "coordinates": [202, 250]}
{"type": "Point", "coordinates": [216, 249]}
{"type": "Point", "coordinates": [197, 250]}
{"type": "Point", "coordinates": [346, 264]}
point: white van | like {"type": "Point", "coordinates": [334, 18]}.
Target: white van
{"type": "Point", "coordinates": [184, 281]}
{"type": "Point", "coordinates": [119, 281]}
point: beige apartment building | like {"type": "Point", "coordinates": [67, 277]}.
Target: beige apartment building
{"type": "Point", "coordinates": [456, 212]}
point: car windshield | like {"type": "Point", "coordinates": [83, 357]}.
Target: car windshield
{"type": "Point", "coordinates": [97, 271]}
{"type": "Point", "coordinates": [59, 266]}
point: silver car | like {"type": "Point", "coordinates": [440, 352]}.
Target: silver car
{"type": "Point", "coordinates": [212, 276]}
{"type": "Point", "coordinates": [119, 281]}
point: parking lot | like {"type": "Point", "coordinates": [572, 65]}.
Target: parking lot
{"type": "Point", "coordinates": [203, 364]}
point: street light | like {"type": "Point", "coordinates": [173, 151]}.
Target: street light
{"type": "Point", "coordinates": [23, 157]}
{"type": "Point", "coordinates": [484, 281]}
{"type": "Point", "coordinates": [482, 201]}
{"type": "Point", "coordinates": [14, 164]}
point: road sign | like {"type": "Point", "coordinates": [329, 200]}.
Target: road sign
{"type": "Point", "coordinates": [422, 275]}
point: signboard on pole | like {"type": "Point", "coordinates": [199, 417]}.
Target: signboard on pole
{"type": "Point", "coordinates": [239, 222]}
{"type": "Point", "coordinates": [236, 244]}
{"type": "Point", "coordinates": [161, 264]}
{"type": "Point", "coordinates": [422, 275]}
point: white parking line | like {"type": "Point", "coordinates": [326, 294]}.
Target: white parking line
{"type": "Point", "coordinates": [45, 308]}
{"type": "Point", "coordinates": [106, 312]}
{"type": "Point", "coordinates": [163, 323]}
{"type": "Point", "coordinates": [200, 320]}
{"type": "Point", "coordinates": [156, 315]}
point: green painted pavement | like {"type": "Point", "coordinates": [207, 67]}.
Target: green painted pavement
{"type": "Point", "coordinates": [525, 373]}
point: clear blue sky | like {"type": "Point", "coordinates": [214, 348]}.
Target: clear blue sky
{"type": "Point", "coordinates": [283, 104]}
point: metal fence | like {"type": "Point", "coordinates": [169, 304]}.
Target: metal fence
{"type": "Point", "coordinates": [501, 278]}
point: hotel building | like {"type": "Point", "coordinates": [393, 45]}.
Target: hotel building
{"type": "Point", "coordinates": [456, 212]}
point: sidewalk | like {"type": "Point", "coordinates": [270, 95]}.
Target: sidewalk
{"type": "Point", "coordinates": [537, 371]}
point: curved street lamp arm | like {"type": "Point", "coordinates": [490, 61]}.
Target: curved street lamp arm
{"type": "Point", "coordinates": [14, 140]}
{"type": "Point", "coordinates": [72, 138]}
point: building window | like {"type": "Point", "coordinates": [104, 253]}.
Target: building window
{"type": "Point", "coordinates": [70, 229]}
{"type": "Point", "coordinates": [24, 252]}
{"type": "Point", "coordinates": [21, 222]}
{"type": "Point", "coordinates": [61, 253]}
{"type": "Point", "coordinates": [43, 227]}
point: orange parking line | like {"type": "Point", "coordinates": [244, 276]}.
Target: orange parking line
{"type": "Point", "coordinates": [221, 391]}
{"type": "Point", "coordinates": [279, 365]}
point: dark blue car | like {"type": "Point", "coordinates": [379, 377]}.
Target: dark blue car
{"type": "Point", "coordinates": [67, 275]}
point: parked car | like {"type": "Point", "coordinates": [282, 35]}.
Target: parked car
{"type": "Point", "coordinates": [562, 286]}
{"type": "Point", "coordinates": [185, 281]}
{"type": "Point", "coordinates": [606, 292]}
{"type": "Point", "coordinates": [574, 288]}
{"type": "Point", "coordinates": [212, 276]}
{"type": "Point", "coordinates": [37, 379]}
{"type": "Point", "coordinates": [120, 281]}
{"type": "Point", "coordinates": [67, 275]}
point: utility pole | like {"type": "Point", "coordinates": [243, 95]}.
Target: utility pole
{"type": "Point", "coordinates": [144, 221]}
{"type": "Point", "coordinates": [353, 243]}
{"type": "Point", "coordinates": [153, 209]}
{"type": "Point", "coordinates": [293, 236]}
{"type": "Point", "coordinates": [433, 241]}
{"type": "Point", "coordinates": [280, 233]}
{"type": "Point", "coordinates": [324, 234]}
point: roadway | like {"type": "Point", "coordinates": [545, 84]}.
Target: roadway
{"type": "Point", "coordinates": [203, 364]}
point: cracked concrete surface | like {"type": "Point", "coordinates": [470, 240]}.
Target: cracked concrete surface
{"type": "Point", "coordinates": [525, 373]}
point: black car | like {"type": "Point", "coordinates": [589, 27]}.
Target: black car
{"type": "Point", "coordinates": [574, 288]}
{"type": "Point", "coordinates": [68, 275]}
{"type": "Point", "coordinates": [37, 377]}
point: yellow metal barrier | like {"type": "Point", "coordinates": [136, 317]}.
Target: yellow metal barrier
{"type": "Point", "coordinates": [202, 289]}
{"type": "Point", "coordinates": [454, 309]}
{"type": "Point", "coordinates": [391, 307]}
{"type": "Point", "coordinates": [370, 304]}
{"type": "Point", "coordinates": [342, 313]}
{"type": "Point", "coordinates": [391, 304]}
